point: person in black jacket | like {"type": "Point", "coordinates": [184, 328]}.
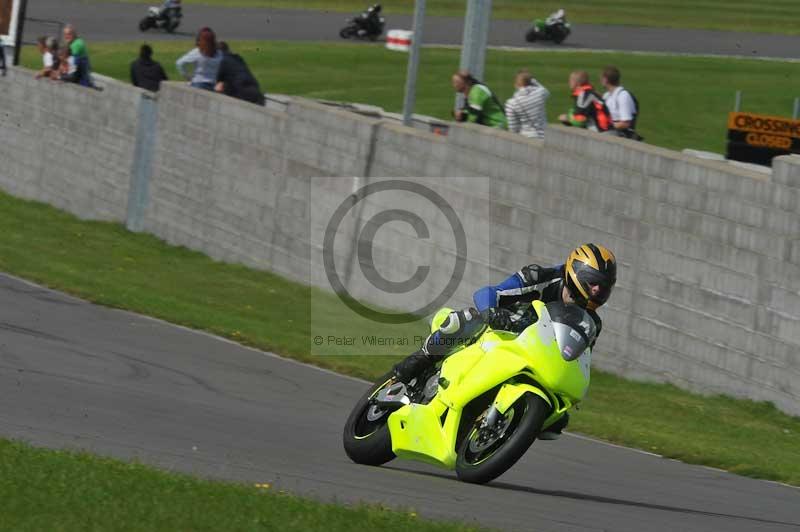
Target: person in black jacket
{"type": "Point", "coordinates": [146, 73]}
{"type": "Point", "coordinates": [235, 79]}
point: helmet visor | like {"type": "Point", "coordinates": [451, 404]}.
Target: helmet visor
{"type": "Point", "coordinates": [598, 285]}
{"type": "Point", "coordinates": [600, 294]}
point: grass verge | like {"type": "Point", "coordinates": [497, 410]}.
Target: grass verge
{"type": "Point", "coordinates": [776, 16]}
{"type": "Point", "coordinates": [684, 100]}
{"type": "Point", "coordinates": [64, 491]}
{"type": "Point", "coordinates": [104, 263]}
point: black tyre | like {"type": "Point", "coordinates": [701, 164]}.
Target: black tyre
{"type": "Point", "coordinates": [486, 454]}
{"type": "Point", "coordinates": [172, 25]}
{"type": "Point", "coordinates": [531, 35]}
{"type": "Point", "coordinates": [366, 437]}
{"type": "Point", "coordinates": [347, 32]}
{"type": "Point", "coordinates": [144, 24]}
{"type": "Point", "coordinates": [559, 34]}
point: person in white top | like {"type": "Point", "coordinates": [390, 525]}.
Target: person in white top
{"type": "Point", "coordinates": [621, 104]}
{"type": "Point", "coordinates": [48, 47]}
{"type": "Point", "coordinates": [525, 111]}
{"type": "Point", "coordinates": [205, 58]}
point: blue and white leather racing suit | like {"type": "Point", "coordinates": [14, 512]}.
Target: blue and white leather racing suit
{"type": "Point", "coordinates": [506, 306]}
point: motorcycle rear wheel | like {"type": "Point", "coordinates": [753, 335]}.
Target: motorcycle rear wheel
{"type": "Point", "coordinates": [171, 26]}
{"type": "Point", "coordinates": [347, 32]}
{"type": "Point", "coordinates": [366, 436]}
{"type": "Point", "coordinates": [481, 459]}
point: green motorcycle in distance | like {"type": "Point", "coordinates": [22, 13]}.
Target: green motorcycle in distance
{"type": "Point", "coordinates": [555, 28]}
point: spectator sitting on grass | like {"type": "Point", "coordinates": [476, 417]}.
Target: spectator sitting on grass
{"type": "Point", "coordinates": [146, 73]}
{"type": "Point", "coordinates": [480, 104]}
{"type": "Point", "coordinates": [206, 58]}
{"type": "Point", "coordinates": [48, 47]}
{"type": "Point", "coordinates": [235, 79]}
{"type": "Point", "coordinates": [80, 56]}
{"type": "Point", "coordinates": [525, 110]}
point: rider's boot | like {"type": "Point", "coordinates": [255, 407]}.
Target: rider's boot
{"type": "Point", "coordinates": [412, 366]}
{"type": "Point", "coordinates": [459, 328]}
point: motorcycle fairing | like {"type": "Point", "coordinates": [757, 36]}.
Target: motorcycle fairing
{"type": "Point", "coordinates": [530, 362]}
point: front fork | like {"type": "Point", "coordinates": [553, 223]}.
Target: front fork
{"type": "Point", "coordinates": [509, 394]}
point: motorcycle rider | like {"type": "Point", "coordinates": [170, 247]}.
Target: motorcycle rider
{"type": "Point", "coordinates": [169, 5]}
{"type": "Point", "coordinates": [587, 279]}
{"type": "Point", "coordinates": [370, 21]}
{"type": "Point", "coordinates": [169, 9]}
{"type": "Point", "coordinates": [554, 18]}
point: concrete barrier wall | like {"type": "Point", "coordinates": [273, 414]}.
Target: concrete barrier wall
{"type": "Point", "coordinates": [67, 145]}
{"type": "Point", "coordinates": [709, 282]}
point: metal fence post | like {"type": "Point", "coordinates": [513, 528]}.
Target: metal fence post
{"type": "Point", "coordinates": [476, 34]}
{"type": "Point", "coordinates": [413, 62]}
{"type": "Point", "coordinates": [142, 162]}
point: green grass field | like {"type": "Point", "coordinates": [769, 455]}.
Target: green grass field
{"type": "Point", "coordinates": [775, 16]}
{"type": "Point", "coordinates": [684, 101]}
{"type": "Point", "coordinates": [70, 492]}
{"type": "Point", "coordinates": [104, 263]}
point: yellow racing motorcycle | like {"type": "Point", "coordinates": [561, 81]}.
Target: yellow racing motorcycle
{"type": "Point", "coordinates": [481, 409]}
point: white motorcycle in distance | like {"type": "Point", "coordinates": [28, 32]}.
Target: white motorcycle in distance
{"type": "Point", "coordinates": [167, 17]}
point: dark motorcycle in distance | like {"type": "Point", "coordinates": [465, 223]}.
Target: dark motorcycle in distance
{"type": "Point", "coordinates": [555, 28]}
{"type": "Point", "coordinates": [167, 17]}
{"type": "Point", "coordinates": [368, 25]}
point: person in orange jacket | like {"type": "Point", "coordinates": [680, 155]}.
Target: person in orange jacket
{"type": "Point", "coordinates": [590, 110]}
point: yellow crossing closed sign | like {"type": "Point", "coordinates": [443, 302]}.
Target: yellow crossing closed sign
{"type": "Point", "coordinates": [758, 138]}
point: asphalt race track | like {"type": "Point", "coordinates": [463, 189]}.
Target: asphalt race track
{"type": "Point", "coordinates": [118, 22]}
{"type": "Point", "coordinates": [76, 375]}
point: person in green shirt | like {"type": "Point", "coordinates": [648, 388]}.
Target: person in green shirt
{"type": "Point", "coordinates": [80, 54]}
{"type": "Point", "coordinates": [77, 46]}
{"type": "Point", "coordinates": [481, 105]}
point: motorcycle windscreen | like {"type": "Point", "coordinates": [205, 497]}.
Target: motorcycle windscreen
{"type": "Point", "coordinates": [574, 329]}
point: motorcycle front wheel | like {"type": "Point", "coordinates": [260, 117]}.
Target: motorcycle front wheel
{"type": "Point", "coordinates": [531, 35]}
{"type": "Point", "coordinates": [559, 34]}
{"type": "Point", "coordinates": [145, 24]}
{"type": "Point", "coordinates": [366, 436]}
{"type": "Point", "coordinates": [488, 452]}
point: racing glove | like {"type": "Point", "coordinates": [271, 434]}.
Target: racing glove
{"type": "Point", "coordinates": [497, 318]}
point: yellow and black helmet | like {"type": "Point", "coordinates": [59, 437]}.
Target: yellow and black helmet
{"type": "Point", "coordinates": [586, 266]}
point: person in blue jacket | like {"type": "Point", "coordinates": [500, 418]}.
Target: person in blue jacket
{"type": "Point", "coordinates": [587, 279]}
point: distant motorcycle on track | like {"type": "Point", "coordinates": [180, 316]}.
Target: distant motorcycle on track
{"type": "Point", "coordinates": [368, 25]}
{"type": "Point", "coordinates": [555, 28]}
{"type": "Point", "coordinates": [167, 17]}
